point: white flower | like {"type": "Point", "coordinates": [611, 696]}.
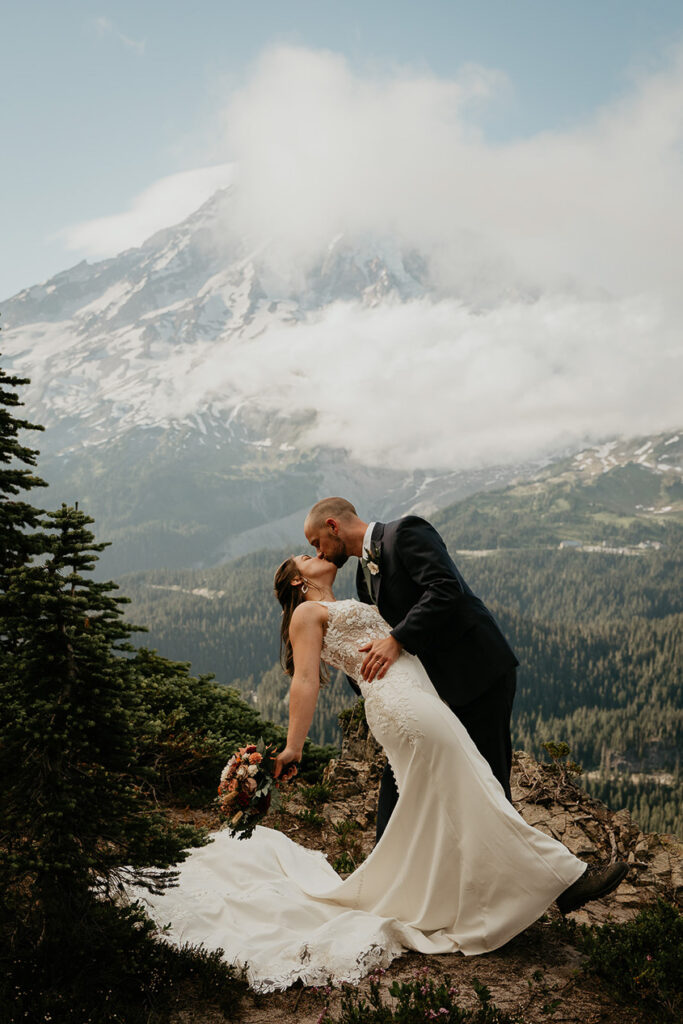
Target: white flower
{"type": "Point", "coordinates": [252, 769]}
{"type": "Point", "coordinates": [371, 560]}
{"type": "Point", "coordinates": [241, 772]}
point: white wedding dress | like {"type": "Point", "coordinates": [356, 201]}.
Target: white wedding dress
{"type": "Point", "coordinates": [457, 869]}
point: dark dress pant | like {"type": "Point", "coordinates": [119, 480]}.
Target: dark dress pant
{"type": "Point", "coordinates": [487, 720]}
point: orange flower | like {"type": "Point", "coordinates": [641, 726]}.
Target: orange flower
{"type": "Point", "coordinates": [255, 758]}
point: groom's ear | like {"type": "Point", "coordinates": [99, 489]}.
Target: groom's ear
{"type": "Point", "coordinates": [333, 525]}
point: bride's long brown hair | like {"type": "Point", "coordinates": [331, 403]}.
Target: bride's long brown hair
{"type": "Point", "coordinates": [290, 597]}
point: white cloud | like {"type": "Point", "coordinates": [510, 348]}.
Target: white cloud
{"type": "Point", "coordinates": [166, 202]}
{"type": "Point", "coordinates": [323, 150]}
{"type": "Point", "coordinates": [105, 26]}
{"type": "Point", "coordinates": [435, 384]}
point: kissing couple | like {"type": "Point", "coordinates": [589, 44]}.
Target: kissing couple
{"type": "Point", "coordinates": [455, 868]}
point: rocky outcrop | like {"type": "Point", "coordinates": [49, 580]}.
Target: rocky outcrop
{"type": "Point", "coordinates": [560, 807]}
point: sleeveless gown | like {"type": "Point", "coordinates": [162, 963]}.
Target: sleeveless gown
{"type": "Point", "coordinates": [457, 869]}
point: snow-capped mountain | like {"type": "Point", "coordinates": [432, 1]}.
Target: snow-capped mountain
{"type": "Point", "coordinates": [109, 346]}
{"type": "Point", "coordinates": [133, 364]}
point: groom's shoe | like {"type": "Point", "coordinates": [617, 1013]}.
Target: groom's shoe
{"type": "Point", "coordinates": [594, 883]}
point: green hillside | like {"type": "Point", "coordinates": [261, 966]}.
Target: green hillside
{"type": "Point", "coordinates": [620, 508]}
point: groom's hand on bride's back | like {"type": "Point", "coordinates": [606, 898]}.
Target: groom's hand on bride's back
{"type": "Point", "coordinates": [380, 655]}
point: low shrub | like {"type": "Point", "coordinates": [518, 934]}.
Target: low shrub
{"type": "Point", "coordinates": [414, 1002]}
{"type": "Point", "coordinates": [117, 971]}
{"type": "Point", "coordinates": [641, 961]}
{"type": "Point", "coordinates": [318, 793]}
{"type": "Point", "coordinates": [310, 817]}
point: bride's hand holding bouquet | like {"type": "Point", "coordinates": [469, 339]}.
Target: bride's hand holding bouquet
{"type": "Point", "coordinates": [248, 783]}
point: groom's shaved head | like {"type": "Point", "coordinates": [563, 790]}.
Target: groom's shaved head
{"type": "Point", "coordinates": [334, 529]}
{"type": "Point", "coordinates": [329, 508]}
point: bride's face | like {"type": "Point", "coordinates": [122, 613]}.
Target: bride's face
{"type": "Point", "coordinates": [316, 569]}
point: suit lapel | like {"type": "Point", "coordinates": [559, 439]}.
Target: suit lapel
{"type": "Point", "coordinates": [376, 580]}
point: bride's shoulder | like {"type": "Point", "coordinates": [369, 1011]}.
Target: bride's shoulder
{"type": "Point", "coordinates": [307, 614]}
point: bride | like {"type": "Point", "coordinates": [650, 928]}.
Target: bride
{"type": "Point", "coordinates": [457, 869]}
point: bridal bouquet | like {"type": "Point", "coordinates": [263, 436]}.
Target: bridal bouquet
{"type": "Point", "coordinates": [247, 787]}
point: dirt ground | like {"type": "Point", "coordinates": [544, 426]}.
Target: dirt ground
{"type": "Point", "coordinates": [525, 977]}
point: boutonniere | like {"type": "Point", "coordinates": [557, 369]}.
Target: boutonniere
{"type": "Point", "coordinates": [371, 558]}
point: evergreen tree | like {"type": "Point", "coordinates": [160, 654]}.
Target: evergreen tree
{"type": "Point", "coordinates": [75, 811]}
{"type": "Point", "coordinates": [20, 537]}
{"type": "Point", "coordinates": [74, 806]}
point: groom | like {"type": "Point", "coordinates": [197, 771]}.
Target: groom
{"type": "Point", "coordinates": [407, 572]}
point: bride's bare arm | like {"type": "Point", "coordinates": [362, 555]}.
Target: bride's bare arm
{"type": "Point", "coordinates": [306, 635]}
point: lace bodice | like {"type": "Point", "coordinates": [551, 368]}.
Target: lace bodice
{"type": "Point", "coordinates": [350, 625]}
{"type": "Point", "coordinates": [389, 700]}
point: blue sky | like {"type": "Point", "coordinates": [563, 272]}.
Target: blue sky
{"type": "Point", "coordinates": [102, 100]}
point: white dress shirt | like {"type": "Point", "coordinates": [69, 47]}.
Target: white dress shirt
{"type": "Point", "coordinates": [367, 540]}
